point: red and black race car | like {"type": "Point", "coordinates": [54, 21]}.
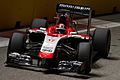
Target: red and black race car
{"type": "Point", "coordinates": [60, 46]}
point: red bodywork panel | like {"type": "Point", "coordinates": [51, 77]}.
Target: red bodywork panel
{"type": "Point", "coordinates": [51, 30]}
{"type": "Point", "coordinates": [45, 55]}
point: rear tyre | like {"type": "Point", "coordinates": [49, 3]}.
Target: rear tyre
{"type": "Point", "coordinates": [16, 44]}
{"type": "Point", "coordinates": [37, 23]}
{"type": "Point", "coordinates": [84, 55]}
{"type": "Point", "coordinates": [101, 42]}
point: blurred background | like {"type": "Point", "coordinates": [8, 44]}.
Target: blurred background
{"type": "Point", "coordinates": [19, 13]}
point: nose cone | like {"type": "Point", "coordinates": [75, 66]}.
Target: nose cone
{"type": "Point", "coordinates": [45, 55]}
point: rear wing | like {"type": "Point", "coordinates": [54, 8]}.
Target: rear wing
{"type": "Point", "coordinates": [75, 9]}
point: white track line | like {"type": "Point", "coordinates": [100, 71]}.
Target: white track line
{"type": "Point", "coordinates": [85, 30]}
{"type": "Point", "coordinates": [4, 41]}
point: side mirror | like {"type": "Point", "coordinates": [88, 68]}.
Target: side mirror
{"type": "Point", "coordinates": [42, 28]}
{"type": "Point", "coordinates": [74, 22]}
{"type": "Point", "coordinates": [73, 33]}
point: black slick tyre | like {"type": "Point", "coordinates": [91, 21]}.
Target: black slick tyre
{"type": "Point", "coordinates": [101, 42]}
{"type": "Point", "coordinates": [85, 56]}
{"type": "Point", "coordinates": [16, 44]}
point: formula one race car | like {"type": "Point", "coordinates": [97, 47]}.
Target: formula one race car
{"type": "Point", "coordinates": [60, 46]}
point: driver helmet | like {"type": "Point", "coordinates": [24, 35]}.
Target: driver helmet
{"type": "Point", "coordinates": [61, 26]}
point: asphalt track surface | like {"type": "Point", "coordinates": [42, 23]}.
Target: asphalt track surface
{"type": "Point", "coordinates": [104, 69]}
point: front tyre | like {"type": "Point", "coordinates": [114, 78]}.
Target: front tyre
{"type": "Point", "coordinates": [85, 56]}
{"type": "Point", "coordinates": [16, 44]}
